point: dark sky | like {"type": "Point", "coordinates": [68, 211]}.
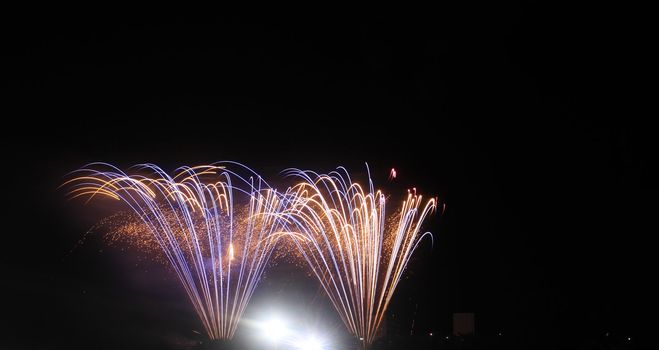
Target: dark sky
{"type": "Point", "coordinates": [503, 111]}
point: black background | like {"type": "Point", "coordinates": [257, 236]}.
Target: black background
{"type": "Point", "coordinates": [507, 112]}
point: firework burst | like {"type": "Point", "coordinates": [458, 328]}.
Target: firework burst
{"type": "Point", "coordinates": [214, 227]}
{"type": "Point", "coordinates": [354, 249]}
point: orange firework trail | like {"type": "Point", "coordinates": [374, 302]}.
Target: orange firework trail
{"type": "Point", "coordinates": [215, 227]}
{"type": "Point", "coordinates": [356, 252]}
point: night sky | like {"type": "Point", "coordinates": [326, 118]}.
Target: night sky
{"type": "Point", "coordinates": [503, 111]}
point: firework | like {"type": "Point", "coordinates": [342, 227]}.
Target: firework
{"type": "Point", "coordinates": [354, 249]}
{"type": "Point", "coordinates": [215, 227]}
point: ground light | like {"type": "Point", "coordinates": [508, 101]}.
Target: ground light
{"type": "Point", "coordinates": [274, 330]}
{"type": "Point", "coordinates": [310, 343]}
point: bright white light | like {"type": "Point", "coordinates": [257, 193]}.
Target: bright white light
{"type": "Point", "coordinates": [310, 343]}
{"type": "Point", "coordinates": [274, 330]}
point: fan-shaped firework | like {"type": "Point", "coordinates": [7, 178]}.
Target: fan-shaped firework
{"type": "Point", "coordinates": [357, 253]}
{"type": "Point", "coordinates": [214, 227]}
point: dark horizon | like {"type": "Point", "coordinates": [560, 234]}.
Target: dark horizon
{"type": "Point", "coordinates": [546, 199]}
